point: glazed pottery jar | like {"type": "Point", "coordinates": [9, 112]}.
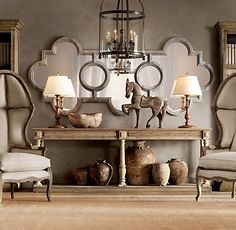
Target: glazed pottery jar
{"type": "Point", "coordinates": [178, 171]}
{"type": "Point", "coordinates": [81, 176]}
{"type": "Point", "coordinates": [139, 160]}
{"type": "Point", "coordinates": [101, 173]}
{"type": "Point", "coordinates": [161, 173]}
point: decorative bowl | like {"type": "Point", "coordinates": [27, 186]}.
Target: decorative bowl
{"type": "Point", "coordinates": [85, 120]}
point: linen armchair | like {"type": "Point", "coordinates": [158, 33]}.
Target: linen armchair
{"type": "Point", "coordinates": [18, 161]}
{"type": "Point", "coordinates": [220, 161]}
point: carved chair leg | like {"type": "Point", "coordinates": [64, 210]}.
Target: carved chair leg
{"type": "Point", "coordinates": [18, 187]}
{"type": "Point", "coordinates": [1, 187]}
{"type": "Point", "coordinates": [233, 190]}
{"type": "Point", "coordinates": [48, 192]}
{"type": "Point", "coordinates": [198, 185]}
{"type": "Point", "coordinates": [12, 190]}
{"type": "Point", "coordinates": [49, 185]}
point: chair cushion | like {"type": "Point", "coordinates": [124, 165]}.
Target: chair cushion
{"type": "Point", "coordinates": [230, 175]}
{"type": "Point", "coordinates": [16, 162]}
{"type": "Point", "coordinates": [219, 161]}
{"type": "Point", "coordinates": [25, 176]}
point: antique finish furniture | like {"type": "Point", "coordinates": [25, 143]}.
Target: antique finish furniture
{"type": "Point", "coordinates": [18, 161]}
{"type": "Point", "coordinates": [220, 161]}
{"type": "Point", "coordinates": [227, 39]}
{"type": "Point", "coordinates": [9, 44]}
{"type": "Point", "coordinates": [45, 134]}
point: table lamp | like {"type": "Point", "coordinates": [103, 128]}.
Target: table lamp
{"type": "Point", "coordinates": [58, 86]}
{"type": "Point", "coordinates": [185, 87]}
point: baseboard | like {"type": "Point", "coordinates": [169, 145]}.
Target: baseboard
{"type": "Point", "coordinates": [128, 190]}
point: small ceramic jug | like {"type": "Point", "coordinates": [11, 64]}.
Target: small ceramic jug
{"type": "Point", "coordinates": [101, 173]}
{"type": "Point", "coordinates": [178, 171]}
{"type": "Point", "coordinates": [81, 176]}
{"type": "Point", "coordinates": [161, 173]}
{"type": "Point", "coordinates": [139, 160]}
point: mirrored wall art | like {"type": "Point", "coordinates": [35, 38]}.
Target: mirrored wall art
{"type": "Point", "coordinates": [93, 82]}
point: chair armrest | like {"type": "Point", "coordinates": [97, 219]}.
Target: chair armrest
{"type": "Point", "coordinates": [205, 149]}
{"type": "Point", "coordinates": [213, 149]}
{"type": "Point", "coordinates": [38, 151]}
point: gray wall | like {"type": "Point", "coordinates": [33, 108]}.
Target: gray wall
{"type": "Point", "coordinates": [46, 20]}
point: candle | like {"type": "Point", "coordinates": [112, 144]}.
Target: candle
{"type": "Point", "coordinates": [108, 37]}
{"type": "Point", "coordinates": [135, 42]}
{"type": "Point", "coordinates": [131, 35]}
{"type": "Point", "coordinates": [115, 35]}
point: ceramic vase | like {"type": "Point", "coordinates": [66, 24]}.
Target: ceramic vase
{"type": "Point", "coordinates": [178, 171]}
{"type": "Point", "coordinates": [101, 173]}
{"type": "Point", "coordinates": [81, 176]}
{"type": "Point", "coordinates": [139, 160]}
{"type": "Point", "coordinates": [161, 173]}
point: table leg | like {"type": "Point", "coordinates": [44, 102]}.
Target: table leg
{"type": "Point", "coordinates": [203, 145]}
{"type": "Point", "coordinates": [122, 166]}
{"type": "Point", "coordinates": [39, 139]}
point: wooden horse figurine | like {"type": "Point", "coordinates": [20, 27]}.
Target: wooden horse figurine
{"type": "Point", "coordinates": [138, 101]}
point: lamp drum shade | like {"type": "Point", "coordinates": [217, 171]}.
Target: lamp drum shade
{"type": "Point", "coordinates": [186, 85]}
{"type": "Point", "coordinates": [59, 85]}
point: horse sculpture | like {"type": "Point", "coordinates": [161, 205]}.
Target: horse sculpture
{"type": "Point", "coordinates": [156, 104]}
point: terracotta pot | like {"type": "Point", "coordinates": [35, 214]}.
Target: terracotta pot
{"type": "Point", "coordinates": [139, 160]}
{"type": "Point", "coordinates": [81, 176]}
{"type": "Point", "coordinates": [161, 173]}
{"type": "Point", "coordinates": [178, 171]}
{"type": "Point", "coordinates": [101, 173]}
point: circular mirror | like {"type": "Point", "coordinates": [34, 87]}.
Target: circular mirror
{"type": "Point", "coordinates": [149, 76]}
{"type": "Point", "coordinates": [94, 76]}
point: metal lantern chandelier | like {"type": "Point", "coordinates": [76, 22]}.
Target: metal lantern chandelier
{"type": "Point", "coordinates": [121, 31]}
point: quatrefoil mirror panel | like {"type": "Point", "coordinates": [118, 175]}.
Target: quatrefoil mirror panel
{"type": "Point", "coordinates": [93, 82]}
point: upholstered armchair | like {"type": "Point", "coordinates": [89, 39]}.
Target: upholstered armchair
{"type": "Point", "coordinates": [220, 160]}
{"type": "Point", "coordinates": [18, 161]}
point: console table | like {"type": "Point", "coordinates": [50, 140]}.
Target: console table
{"type": "Point", "coordinates": [187, 134]}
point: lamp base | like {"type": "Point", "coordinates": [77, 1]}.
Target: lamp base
{"type": "Point", "coordinates": [57, 126]}
{"type": "Point", "coordinates": [187, 126]}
